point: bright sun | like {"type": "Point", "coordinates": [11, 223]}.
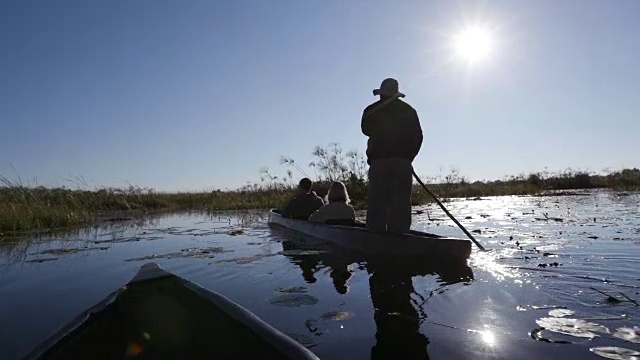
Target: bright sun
{"type": "Point", "coordinates": [473, 44]}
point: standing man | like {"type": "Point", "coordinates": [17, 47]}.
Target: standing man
{"type": "Point", "coordinates": [395, 137]}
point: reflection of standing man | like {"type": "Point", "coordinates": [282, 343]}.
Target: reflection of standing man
{"type": "Point", "coordinates": [398, 333]}
{"type": "Point", "coordinates": [395, 137]}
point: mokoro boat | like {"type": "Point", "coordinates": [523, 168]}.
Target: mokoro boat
{"type": "Point", "coordinates": [158, 315]}
{"type": "Point", "coordinates": [357, 238]}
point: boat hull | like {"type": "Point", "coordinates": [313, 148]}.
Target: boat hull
{"type": "Point", "coordinates": [160, 315]}
{"type": "Point", "coordinates": [357, 238]}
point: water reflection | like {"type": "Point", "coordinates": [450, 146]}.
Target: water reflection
{"type": "Point", "coordinates": [399, 309]}
{"type": "Point", "coordinates": [488, 337]}
{"type": "Point", "coordinates": [538, 270]}
{"type": "Point", "coordinates": [17, 247]}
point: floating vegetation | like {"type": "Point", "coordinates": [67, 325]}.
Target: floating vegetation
{"type": "Point", "coordinates": [205, 233]}
{"type": "Point", "coordinates": [616, 353]}
{"type": "Point", "coordinates": [561, 312]}
{"type": "Point", "coordinates": [311, 325]}
{"type": "Point", "coordinates": [336, 315]}
{"type": "Point", "coordinates": [544, 265]}
{"type": "Point", "coordinates": [293, 290]}
{"type": "Point", "coordinates": [293, 300]}
{"type": "Point", "coordinates": [547, 218]}
{"type": "Point", "coordinates": [537, 334]}
{"type": "Point", "coordinates": [541, 307]}
{"type": "Point", "coordinates": [40, 260]}
{"type": "Point", "coordinates": [205, 253]}
{"type": "Point", "coordinates": [63, 251]}
{"type": "Point", "coordinates": [118, 240]}
{"type": "Point", "coordinates": [573, 327]}
{"type": "Point", "coordinates": [127, 239]}
{"type": "Point", "coordinates": [301, 252]}
{"type": "Point", "coordinates": [628, 334]}
{"type": "Point", "coordinates": [150, 257]}
{"type": "Point", "coordinates": [245, 259]}
{"type": "Point", "coordinates": [185, 232]}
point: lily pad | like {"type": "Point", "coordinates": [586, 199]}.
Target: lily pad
{"type": "Point", "coordinates": [616, 353]}
{"type": "Point", "coordinates": [573, 327]}
{"type": "Point", "coordinates": [336, 315]}
{"type": "Point", "coordinates": [293, 290]}
{"type": "Point", "coordinates": [628, 334]}
{"type": "Point", "coordinates": [561, 313]}
{"type": "Point", "coordinates": [293, 300]}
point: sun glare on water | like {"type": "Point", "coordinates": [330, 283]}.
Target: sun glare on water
{"type": "Point", "coordinates": [473, 44]}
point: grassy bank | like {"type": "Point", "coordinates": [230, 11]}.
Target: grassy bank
{"type": "Point", "coordinates": [28, 208]}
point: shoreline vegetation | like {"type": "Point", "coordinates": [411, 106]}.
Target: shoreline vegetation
{"type": "Point", "coordinates": [27, 208]}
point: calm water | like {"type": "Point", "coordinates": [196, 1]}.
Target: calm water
{"type": "Point", "coordinates": [531, 297]}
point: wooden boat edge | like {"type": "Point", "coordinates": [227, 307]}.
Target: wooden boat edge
{"type": "Point", "coordinates": [152, 271]}
{"type": "Point", "coordinates": [412, 234]}
{"type": "Point", "coordinates": [464, 246]}
{"type": "Point", "coordinates": [69, 327]}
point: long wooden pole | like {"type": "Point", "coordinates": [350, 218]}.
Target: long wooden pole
{"type": "Point", "coordinates": [448, 213]}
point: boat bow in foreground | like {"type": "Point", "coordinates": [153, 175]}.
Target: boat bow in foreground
{"type": "Point", "coordinates": [159, 315]}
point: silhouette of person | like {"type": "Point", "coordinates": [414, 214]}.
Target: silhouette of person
{"type": "Point", "coordinates": [397, 321]}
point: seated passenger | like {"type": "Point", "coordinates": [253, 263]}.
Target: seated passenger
{"type": "Point", "coordinates": [305, 203]}
{"type": "Point", "coordinates": [337, 211]}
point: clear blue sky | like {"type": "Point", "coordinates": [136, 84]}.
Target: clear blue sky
{"type": "Point", "coordinates": [188, 95]}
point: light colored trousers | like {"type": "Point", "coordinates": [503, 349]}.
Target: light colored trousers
{"type": "Point", "coordinates": [389, 207]}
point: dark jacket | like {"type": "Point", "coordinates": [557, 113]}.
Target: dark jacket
{"type": "Point", "coordinates": [393, 129]}
{"type": "Point", "coordinates": [302, 206]}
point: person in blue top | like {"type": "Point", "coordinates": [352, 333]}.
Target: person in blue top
{"type": "Point", "coordinates": [395, 138]}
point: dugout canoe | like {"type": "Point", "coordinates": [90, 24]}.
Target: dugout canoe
{"type": "Point", "coordinates": [159, 315]}
{"type": "Point", "coordinates": [358, 238]}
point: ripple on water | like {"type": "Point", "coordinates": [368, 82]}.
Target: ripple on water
{"type": "Point", "coordinates": [304, 340]}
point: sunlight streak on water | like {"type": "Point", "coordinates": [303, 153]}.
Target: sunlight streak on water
{"type": "Point", "coordinates": [487, 261]}
{"type": "Point", "coordinates": [488, 337]}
